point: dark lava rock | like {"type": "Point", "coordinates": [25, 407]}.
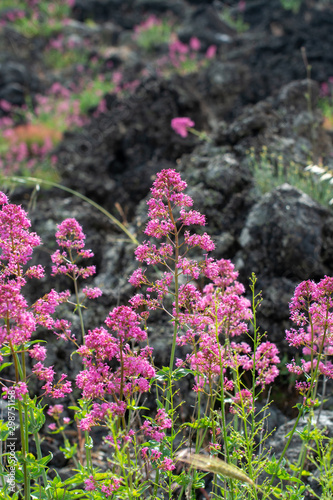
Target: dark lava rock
{"type": "Point", "coordinates": [221, 189]}
{"type": "Point", "coordinates": [294, 45]}
{"type": "Point", "coordinates": [206, 24]}
{"type": "Point", "coordinates": [17, 82]}
{"type": "Point", "coordinates": [114, 158]}
{"type": "Point", "coordinates": [283, 236]}
{"type": "Point", "coordinates": [283, 242]}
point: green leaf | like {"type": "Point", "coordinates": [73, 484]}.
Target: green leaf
{"type": "Point", "coordinates": [162, 375]}
{"type": "Point", "coordinates": [76, 479]}
{"type": "Point", "coordinates": [134, 408]}
{"type": "Point", "coordinates": [5, 365]}
{"type": "Point", "coordinates": [159, 404]}
{"type": "Point", "coordinates": [37, 417]}
{"type": "Point", "coordinates": [4, 431]}
{"type": "Point", "coordinates": [180, 373]}
{"type": "Point", "coordinates": [202, 423]}
{"type": "Point", "coordinates": [69, 451]}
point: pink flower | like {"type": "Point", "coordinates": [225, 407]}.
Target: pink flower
{"type": "Point", "coordinates": [65, 327]}
{"type": "Point", "coordinates": [35, 272]}
{"type": "Point", "coordinates": [5, 105]}
{"type": "Point", "coordinates": [137, 278]}
{"type": "Point", "coordinates": [162, 419]}
{"type": "Point", "coordinates": [192, 217]}
{"type": "Point", "coordinates": [90, 484]}
{"type": "Point", "coordinates": [241, 6]}
{"type": "Point", "coordinates": [167, 465]}
{"type": "Point", "coordinates": [266, 361]}
{"type": "Point", "coordinates": [92, 293]}
{"type": "Point", "coordinates": [55, 411]}
{"type": "Point", "coordinates": [20, 389]}
{"type": "Point", "coordinates": [181, 125]}
{"type": "Point", "coordinates": [70, 235]}
{"type": "Point", "coordinates": [311, 310]}
{"type": "Point", "coordinates": [3, 199]}
{"type": "Point", "coordinates": [195, 43]}
{"type": "Point", "coordinates": [43, 372]}
{"type": "Point", "coordinates": [155, 455]}
{"type": "Point", "coordinates": [38, 352]}
{"type": "Point", "coordinates": [109, 489]}
{"type": "Point", "coordinates": [71, 238]}
{"type": "Point", "coordinates": [243, 398]}
{"type": "Point", "coordinates": [211, 52]}
{"type": "Point", "coordinates": [203, 241]}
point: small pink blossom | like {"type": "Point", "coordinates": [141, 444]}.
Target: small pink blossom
{"type": "Point", "coordinates": [3, 199]}
{"type": "Point", "coordinates": [203, 241]}
{"type": "Point", "coordinates": [92, 293]}
{"type": "Point", "coordinates": [181, 125]}
{"type": "Point", "coordinates": [137, 278]}
{"type": "Point", "coordinates": [241, 6]}
{"type": "Point", "coordinates": [70, 234]}
{"type": "Point", "coordinates": [195, 43]}
{"type": "Point", "coordinates": [18, 391]}
{"type": "Point", "coordinates": [167, 465]}
{"type": "Point", "coordinates": [192, 217]}
{"type": "Point", "coordinates": [38, 352]}
{"type": "Point", "coordinates": [155, 455]}
{"type": "Point", "coordinates": [55, 410]}
{"type": "Point", "coordinates": [211, 52]}
{"type": "Point", "coordinates": [90, 484]}
{"type": "Point", "coordinates": [35, 272]}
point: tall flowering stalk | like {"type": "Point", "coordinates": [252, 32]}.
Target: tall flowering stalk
{"type": "Point", "coordinates": [201, 318]}
{"type": "Point", "coordinates": [311, 309]}
{"type": "Point", "coordinates": [71, 240]}
{"type": "Point", "coordinates": [19, 321]}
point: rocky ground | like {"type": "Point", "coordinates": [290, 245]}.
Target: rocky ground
{"type": "Point", "coordinates": [260, 93]}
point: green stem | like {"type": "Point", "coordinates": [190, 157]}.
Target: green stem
{"type": "Point", "coordinates": [39, 454]}
{"type": "Point", "coordinates": [291, 434]}
{"type": "Point", "coordinates": [175, 330]}
{"type": "Point", "coordinates": [18, 375]}
{"type": "Point", "coordinates": [88, 452]}
{"type": "Point", "coordinates": [223, 417]}
{"type": "Point", "coordinates": [78, 305]}
{"type": "Point", "coordinates": [24, 453]}
{"type": "Point", "coordinates": [26, 419]}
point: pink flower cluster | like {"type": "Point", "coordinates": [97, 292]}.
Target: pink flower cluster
{"type": "Point", "coordinates": [107, 487]}
{"type": "Point", "coordinates": [70, 238]}
{"type": "Point", "coordinates": [18, 320]}
{"type": "Point", "coordinates": [162, 422]}
{"type": "Point", "coordinates": [203, 316]}
{"type": "Point", "coordinates": [311, 308]}
{"type": "Point", "coordinates": [151, 21]}
{"type": "Point", "coordinates": [181, 125]}
{"type": "Point", "coordinates": [99, 380]}
{"type": "Point", "coordinates": [180, 52]}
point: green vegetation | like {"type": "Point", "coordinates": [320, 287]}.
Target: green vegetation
{"type": "Point", "coordinates": [271, 170]}
{"type": "Point", "coordinates": [153, 33]}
